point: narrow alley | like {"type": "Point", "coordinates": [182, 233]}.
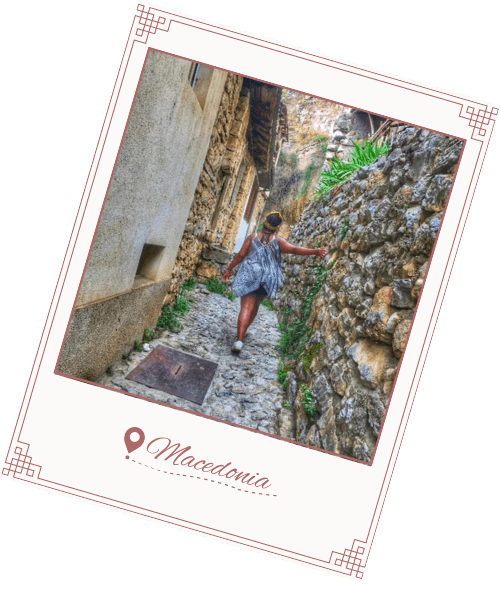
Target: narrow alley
{"type": "Point", "coordinates": [244, 390]}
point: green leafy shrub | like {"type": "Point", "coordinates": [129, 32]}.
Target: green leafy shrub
{"type": "Point", "coordinates": [217, 285]}
{"type": "Point", "coordinates": [294, 159]}
{"type": "Point", "coordinates": [149, 334]}
{"type": "Point", "coordinates": [308, 403]}
{"type": "Point", "coordinates": [268, 304]}
{"type": "Point", "coordinates": [181, 305]}
{"type": "Point", "coordinates": [287, 404]}
{"type": "Point", "coordinates": [138, 346]}
{"type": "Point", "coordinates": [341, 170]}
{"type": "Point", "coordinates": [190, 284]}
{"type": "Point", "coordinates": [283, 372]}
{"type": "Point", "coordinates": [169, 320]}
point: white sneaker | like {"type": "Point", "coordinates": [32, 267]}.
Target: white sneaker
{"type": "Point", "coordinates": [237, 346]}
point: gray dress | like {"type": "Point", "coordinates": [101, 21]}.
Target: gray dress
{"type": "Point", "coordinates": [260, 268]}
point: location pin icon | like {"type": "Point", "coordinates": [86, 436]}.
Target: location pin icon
{"type": "Point", "coordinates": [132, 445]}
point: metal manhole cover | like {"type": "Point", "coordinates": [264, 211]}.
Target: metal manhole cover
{"type": "Point", "coordinates": [177, 373]}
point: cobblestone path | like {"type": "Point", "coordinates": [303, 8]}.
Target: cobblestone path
{"type": "Point", "coordinates": [245, 389]}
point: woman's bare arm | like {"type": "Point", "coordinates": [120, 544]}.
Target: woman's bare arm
{"type": "Point", "coordinates": [288, 248]}
{"type": "Point", "coordinates": [238, 258]}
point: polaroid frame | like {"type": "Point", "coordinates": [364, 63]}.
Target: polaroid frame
{"type": "Point", "coordinates": [293, 470]}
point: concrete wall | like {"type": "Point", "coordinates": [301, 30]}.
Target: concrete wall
{"type": "Point", "coordinates": [154, 182]}
{"type": "Point", "coordinates": [101, 332]}
{"type": "Point", "coordinates": [148, 202]}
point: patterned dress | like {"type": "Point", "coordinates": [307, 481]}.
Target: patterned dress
{"type": "Point", "coordinates": [260, 267]}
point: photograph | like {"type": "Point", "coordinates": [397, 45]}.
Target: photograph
{"type": "Point", "coordinates": [241, 343]}
{"type": "Point", "coordinates": [259, 256]}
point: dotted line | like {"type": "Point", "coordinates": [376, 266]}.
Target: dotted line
{"type": "Point", "coordinates": [204, 479]}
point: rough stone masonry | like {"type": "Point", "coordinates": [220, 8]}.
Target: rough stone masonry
{"type": "Point", "coordinates": [380, 228]}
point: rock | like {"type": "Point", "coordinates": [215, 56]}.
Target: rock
{"type": "Point", "coordinates": [401, 296]}
{"type": "Point", "coordinates": [400, 336]}
{"type": "Point", "coordinates": [372, 360]}
{"type": "Point", "coordinates": [207, 270]}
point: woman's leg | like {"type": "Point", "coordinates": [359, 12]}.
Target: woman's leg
{"type": "Point", "coordinates": [249, 307]}
{"type": "Point", "coordinates": [258, 300]}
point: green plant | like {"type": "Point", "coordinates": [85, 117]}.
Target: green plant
{"type": "Point", "coordinates": [308, 355]}
{"type": "Point", "coordinates": [217, 285]}
{"type": "Point", "coordinates": [341, 170]}
{"type": "Point", "coordinates": [307, 179]}
{"type": "Point", "coordinates": [125, 356]}
{"type": "Point", "coordinates": [324, 148]}
{"type": "Point", "coordinates": [345, 228]}
{"type": "Point", "coordinates": [138, 346]}
{"type": "Point", "coordinates": [283, 372]}
{"type": "Point", "coordinates": [319, 138]}
{"type": "Point", "coordinates": [296, 334]}
{"type": "Point", "coordinates": [294, 159]}
{"type": "Point", "coordinates": [308, 403]}
{"type": "Point", "coordinates": [181, 305]}
{"type": "Point", "coordinates": [190, 284]}
{"type": "Point", "coordinates": [283, 157]}
{"type": "Point", "coordinates": [109, 371]}
{"type": "Point", "coordinates": [287, 404]}
{"type": "Point", "coordinates": [149, 334]}
{"type": "Point", "coordinates": [260, 226]}
{"type": "Point", "coordinates": [169, 319]}
{"type": "Point", "coordinates": [268, 304]}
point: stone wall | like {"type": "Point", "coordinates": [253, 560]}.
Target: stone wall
{"type": "Point", "coordinates": [222, 188]}
{"type": "Point", "coordinates": [239, 208]}
{"type": "Point", "coordinates": [379, 230]}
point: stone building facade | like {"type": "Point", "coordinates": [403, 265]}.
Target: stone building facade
{"type": "Point", "coordinates": [185, 176]}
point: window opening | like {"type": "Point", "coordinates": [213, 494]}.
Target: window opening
{"type": "Point", "coordinates": [200, 78]}
{"type": "Point", "coordinates": [194, 74]}
{"type": "Point", "coordinates": [149, 262]}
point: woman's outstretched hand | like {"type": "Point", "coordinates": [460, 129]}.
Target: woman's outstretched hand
{"type": "Point", "coordinates": [226, 276]}
{"type": "Point", "coordinates": [321, 252]}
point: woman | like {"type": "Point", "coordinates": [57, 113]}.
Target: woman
{"type": "Point", "coordinates": [260, 274]}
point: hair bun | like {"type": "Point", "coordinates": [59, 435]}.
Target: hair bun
{"type": "Point", "coordinates": [273, 220]}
